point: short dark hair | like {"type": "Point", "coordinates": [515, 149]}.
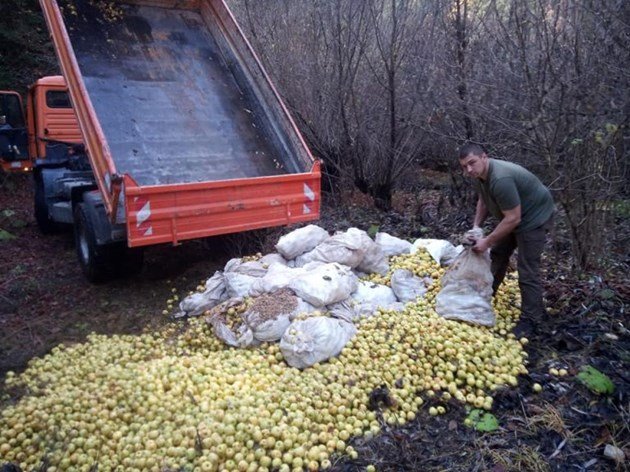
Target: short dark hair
{"type": "Point", "coordinates": [471, 148]}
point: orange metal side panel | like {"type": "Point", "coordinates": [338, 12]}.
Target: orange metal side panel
{"type": "Point", "coordinates": [172, 213]}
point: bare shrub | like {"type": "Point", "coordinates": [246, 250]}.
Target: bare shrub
{"type": "Point", "coordinates": [380, 87]}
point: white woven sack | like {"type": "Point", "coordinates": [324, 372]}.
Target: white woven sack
{"type": "Point", "coordinates": [300, 241]}
{"type": "Point", "coordinates": [407, 286]}
{"type": "Point", "coordinates": [316, 339]}
{"type": "Point", "coordinates": [272, 258]}
{"type": "Point", "coordinates": [376, 294]}
{"type": "Point", "coordinates": [269, 329]}
{"type": "Point", "coordinates": [197, 303]}
{"type": "Point", "coordinates": [251, 268]}
{"type": "Point", "coordinates": [347, 248]}
{"type": "Point", "coordinates": [391, 245]}
{"type": "Point", "coordinates": [374, 259]}
{"type": "Point", "coordinates": [238, 285]}
{"type": "Point", "coordinates": [466, 293]}
{"type": "Point", "coordinates": [278, 276]}
{"type": "Point", "coordinates": [324, 285]}
{"type": "Point", "coordinates": [241, 337]}
{"type": "Point", "coordinates": [442, 251]}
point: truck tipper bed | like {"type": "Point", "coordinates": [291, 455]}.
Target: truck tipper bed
{"type": "Point", "coordinates": [185, 134]}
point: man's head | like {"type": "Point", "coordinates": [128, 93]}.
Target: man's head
{"type": "Point", "coordinates": [474, 161]}
{"type": "Point", "coordinates": [3, 120]}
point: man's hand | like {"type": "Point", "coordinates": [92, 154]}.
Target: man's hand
{"type": "Point", "coordinates": [481, 245]}
{"type": "Point", "coordinates": [472, 236]}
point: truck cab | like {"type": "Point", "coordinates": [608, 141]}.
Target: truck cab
{"type": "Point", "coordinates": [49, 128]}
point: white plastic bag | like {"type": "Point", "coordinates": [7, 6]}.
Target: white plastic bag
{"type": "Point", "coordinates": [442, 251]}
{"type": "Point", "coordinates": [303, 308]}
{"type": "Point", "coordinates": [324, 285]}
{"type": "Point", "coordinates": [278, 276]}
{"type": "Point", "coordinates": [374, 259]}
{"type": "Point", "coordinates": [300, 241]}
{"type": "Point", "coordinates": [449, 258]}
{"type": "Point", "coordinates": [364, 302]}
{"type": "Point", "coordinates": [351, 310]}
{"type": "Point", "coordinates": [375, 294]}
{"type": "Point", "coordinates": [467, 290]}
{"type": "Point", "coordinates": [251, 268]}
{"type": "Point", "coordinates": [408, 286]}
{"type": "Point", "coordinates": [238, 285]}
{"type": "Point", "coordinates": [270, 315]}
{"type": "Point", "coordinates": [316, 339]}
{"type": "Point", "coordinates": [345, 310]}
{"type": "Point", "coordinates": [347, 248]}
{"type": "Point", "coordinates": [197, 303]}
{"type": "Point", "coordinates": [391, 245]}
{"type": "Point", "coordinates": [313, 265]}
{"type": "Point", "coordinates": [233, 333]}
{"type": "Point", "coordinates": [241, 337]}
{"type": "Point", "coordinates": [273, 258]}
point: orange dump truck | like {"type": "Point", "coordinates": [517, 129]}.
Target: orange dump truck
{"type": "Point", "coordinates": [184, 135]}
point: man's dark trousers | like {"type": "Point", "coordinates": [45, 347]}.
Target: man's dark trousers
{"type": "Point", "coordinates": [530, 247]}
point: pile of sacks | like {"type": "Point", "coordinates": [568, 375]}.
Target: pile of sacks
{"type": "Point", "coordinates": [309, 294]}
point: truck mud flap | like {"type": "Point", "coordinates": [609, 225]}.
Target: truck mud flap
{"type": "Point", "coordinates": [105, 232]}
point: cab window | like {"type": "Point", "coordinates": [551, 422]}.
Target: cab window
{"type": "Point", "coordinates": [10, 107]}
{"type": "Point", "coordinates": [57, 99]}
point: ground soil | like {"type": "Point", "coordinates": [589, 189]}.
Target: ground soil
{"type": "Point", "coordinates": [45, 300]}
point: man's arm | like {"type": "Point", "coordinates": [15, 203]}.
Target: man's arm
{"type": "Point", "coordinates": [481, 213]}
{"type": "Point", "coordinates": [511, 219]}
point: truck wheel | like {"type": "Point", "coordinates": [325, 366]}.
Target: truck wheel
{"type": "Point", "coordinates": [45, 224]}
{"type": "Point", "coordinates": [94, 259]}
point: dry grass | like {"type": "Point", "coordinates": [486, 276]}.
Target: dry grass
{"type": "Point", "coordinates": [520, 459]}
{"type": "Point", "coordinates": [549, 418]}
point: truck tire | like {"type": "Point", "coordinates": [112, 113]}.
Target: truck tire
{"type": "Point", "coordinates": [97, 261]}
{"type": "Point", "coordinates": [42, 217]}
{"type": "Point", "coordinates": [102, 262]}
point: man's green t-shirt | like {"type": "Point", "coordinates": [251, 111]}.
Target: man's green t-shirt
{"type": "Point", "coordinates": [508, 185]}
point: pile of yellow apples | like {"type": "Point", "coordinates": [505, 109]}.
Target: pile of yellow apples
{"type": "Point", "coordinates": [181, 399]}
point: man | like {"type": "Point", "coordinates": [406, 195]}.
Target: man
{"type": "Point", "coordinates": [3, 123]}
{"type": "Point", "coordinates": [525, 209]}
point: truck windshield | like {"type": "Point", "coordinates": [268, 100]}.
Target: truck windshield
{"type": "Point", "coordinates": [10, 107]}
